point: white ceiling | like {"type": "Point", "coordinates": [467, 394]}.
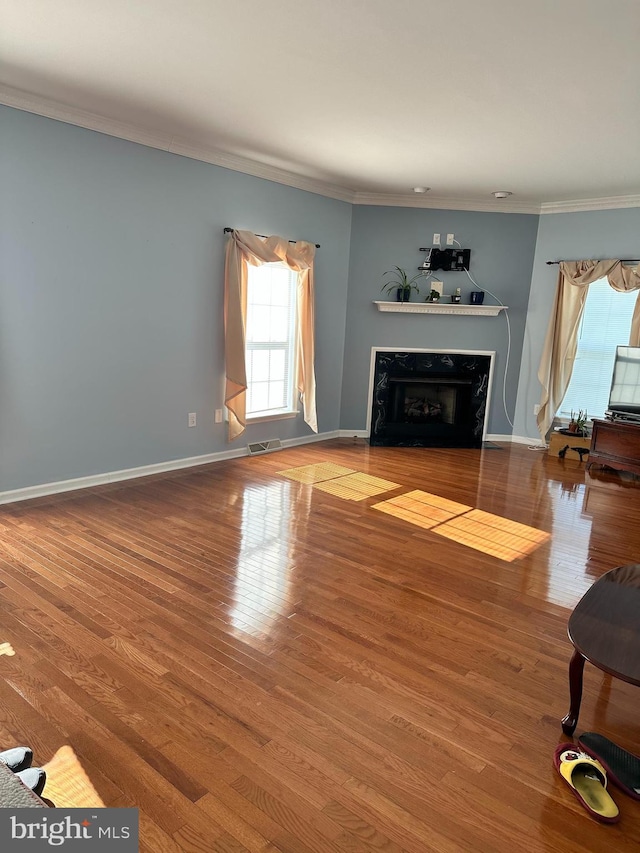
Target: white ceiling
{"type": "Point", "coordinates": [358, 99]}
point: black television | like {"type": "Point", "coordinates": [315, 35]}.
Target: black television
{"type": "Point", "coordinates": [624, 398]}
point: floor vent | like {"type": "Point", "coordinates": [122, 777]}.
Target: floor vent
{"type": "Point", "coordinates": [264, 446]}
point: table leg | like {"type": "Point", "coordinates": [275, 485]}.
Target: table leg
{"type": "Point", "coordinates": [576, 670]}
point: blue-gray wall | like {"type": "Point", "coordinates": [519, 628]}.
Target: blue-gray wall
{"type": "Point", "coordinates": [502, 250]}
{"type": "Point", "coordinates": [111, 327]}
{"type": "Point", "coordinates": [565, 236]}
{"type": "Point", "coordinates": [111, 330]}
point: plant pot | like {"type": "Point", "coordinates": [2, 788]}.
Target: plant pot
{"type": "Point", "coordinates": [403, 294]}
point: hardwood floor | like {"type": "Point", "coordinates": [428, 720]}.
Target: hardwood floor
{"type": "Point", "coordinates": [260, 665]}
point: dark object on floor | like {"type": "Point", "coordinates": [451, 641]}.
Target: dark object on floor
{"type": "Point", "coordinates": [562, 453]}
{"type": "Point", "coordinates": [623, 768]}
{"type": "Point", "coordinates": [34, 778]}
{"type": "Point", "coordinates": [605, 630]}
{"type": "Point", "coordinates": [581, 451]}
{"type": "Point", "coordinates": [17, 759]}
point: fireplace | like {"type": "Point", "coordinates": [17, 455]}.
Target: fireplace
{"type": "Point", "coordinates": [425, 398]}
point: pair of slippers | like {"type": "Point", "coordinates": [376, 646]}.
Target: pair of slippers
{"type": "Point", "coordinates": [19, 761]}
{"type": "Point", "coordinates": [585, 770]}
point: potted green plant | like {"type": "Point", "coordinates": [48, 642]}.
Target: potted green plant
{"type": "Point", "coordinates": [578, 422]}
{"type": "Point", "coordinates": [401, 283]}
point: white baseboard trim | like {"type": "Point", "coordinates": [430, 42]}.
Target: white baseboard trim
{"type": "Point", "coordinates": [363, 433]}
{"type": "Point", "coordinates": [310, 439]}
{"type": "Point", "coordinates": [520, 439]}
{"type": "Point", "coordinates": [45, 489]}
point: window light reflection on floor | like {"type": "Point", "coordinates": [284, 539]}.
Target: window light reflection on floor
{"type": "Point", "coordinates": [262, 575]}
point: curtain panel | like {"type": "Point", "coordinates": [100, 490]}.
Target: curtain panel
{"type": "Point", "coordinates": [244, 248]}
{"type": "Point", "coordinates": [561, 342]}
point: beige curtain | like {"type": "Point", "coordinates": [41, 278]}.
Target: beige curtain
{"type": "Point", "coordinates": [245, 248]}
{"type": "Point", "coordinates": [558, 355]}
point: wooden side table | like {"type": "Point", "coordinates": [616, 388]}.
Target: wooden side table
{"type": "Point", "coordinates": [616, 444]}
{"type": "Point", "coordinates": [605, 630]}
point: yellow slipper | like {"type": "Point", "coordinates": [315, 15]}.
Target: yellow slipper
{"type": "Point", "coordinates": [587, 778]}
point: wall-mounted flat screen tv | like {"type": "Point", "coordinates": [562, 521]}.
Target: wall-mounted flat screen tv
{"type": "Point", "coordinates": [625, 384]}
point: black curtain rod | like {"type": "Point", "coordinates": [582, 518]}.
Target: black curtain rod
{"type": "Point", "coordinates": [231, 230]}
{"type": "Point", "coordinates": [622, 261]}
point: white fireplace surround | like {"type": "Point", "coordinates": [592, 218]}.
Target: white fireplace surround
{"type": "Point", "coordinates": [372, 366]}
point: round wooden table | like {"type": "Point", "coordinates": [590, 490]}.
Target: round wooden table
{"type": "Point", "coordinates": [605, 630]}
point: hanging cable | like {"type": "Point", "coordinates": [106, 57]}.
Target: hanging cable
{"type": "Point", "coordinates": [506, 315]}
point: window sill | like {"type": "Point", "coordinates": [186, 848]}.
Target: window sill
{"type": "Point", "coordinates": [258, 419]}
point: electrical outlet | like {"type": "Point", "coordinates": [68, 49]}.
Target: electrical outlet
{"type": "Point", "coordinates": [192, 419]}
{"type": "Point", "coordinates": [536, 408]}
{"type": "Point", "coordinates": [450, 238]}
{"type": "Point", "coordinates": [436, 239]}
{"type": "Point", "coordinates": [218, 416]}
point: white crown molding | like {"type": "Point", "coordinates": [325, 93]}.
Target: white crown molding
{"type": "Point", "coordinates": [614, 202]}
{"type": "Point", "coordinates": [21, 100]}
{"type": "Point", "coordinates": [423, 200]}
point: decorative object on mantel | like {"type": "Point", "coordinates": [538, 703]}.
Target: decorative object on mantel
{"type": "Point", "coordinates": [455, 297]}
{"type": "Point", "coordinates": [401, 283]}
{"type": "Point", "coordinates": [476, 297]}
{"type": "Point", "coordinates": [434, 296]}
{"type": "Point", "coordinates": [439, 308]}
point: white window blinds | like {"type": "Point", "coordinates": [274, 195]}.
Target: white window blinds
{"type": "Point", "coordinates": [606, 323]}
{"type": "Point", "coordinates": [270, 340]}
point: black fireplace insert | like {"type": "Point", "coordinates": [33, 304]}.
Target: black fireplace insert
{"type": "Point", "coordinates": [423, 399]}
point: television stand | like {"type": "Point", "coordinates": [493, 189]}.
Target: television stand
{"type": "Point", "coordinates": [615, 444]}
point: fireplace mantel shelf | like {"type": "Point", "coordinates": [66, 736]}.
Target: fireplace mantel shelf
{"type": "Point", "coordinates": [437, 308]}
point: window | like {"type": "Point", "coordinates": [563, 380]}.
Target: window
{"type": "Point", "coordinates": [270, 340]}
{"type": "Point", "coordinates": [605, 324]}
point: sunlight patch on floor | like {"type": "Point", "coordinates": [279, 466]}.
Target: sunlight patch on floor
{"type": "Point", "coordinates": [422, 508]}
{"type": "Point", "coordinates": [316, 473]}
{"type": "Point", "coordinates": [68, 785]}
{"type": "Point", "coordinates": [356, 487]}
{"type": "Point", "coordinates": [492, 534]}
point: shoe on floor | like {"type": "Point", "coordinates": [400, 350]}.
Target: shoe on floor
{"type": "Point", "coordinates": [623, 767]}
{"type": "Point", "coordinates": [34, 778]}
{"type": "Point", "coordinates": [587, 779]}
{"type": "Point", "coordinates": [17, 759]}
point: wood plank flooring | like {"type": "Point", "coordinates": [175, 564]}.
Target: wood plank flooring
{"type": "Point", "coordinates": [260, 665]}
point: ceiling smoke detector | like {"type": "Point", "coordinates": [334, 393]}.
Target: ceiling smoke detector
{"type": "Point", "coordinates": [421, 189]}
{"type": "Point", "coordinates": [501, 194]}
